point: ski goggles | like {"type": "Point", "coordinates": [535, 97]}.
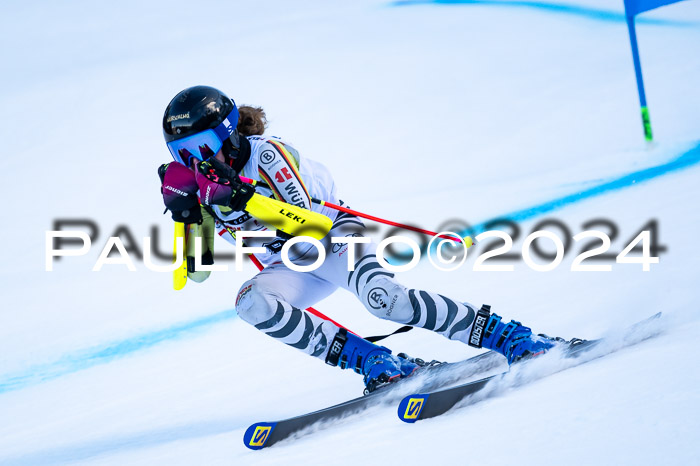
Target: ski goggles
{"type": "Point", "coordinates": [205, 144]}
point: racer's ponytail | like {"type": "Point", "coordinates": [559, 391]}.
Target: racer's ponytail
{"type": "Point", "coordinates": [251, 121]}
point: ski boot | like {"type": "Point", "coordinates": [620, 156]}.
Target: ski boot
{"type": "Point", "coordinates": [376, 363]}
{"type": "Point", "coordinates": [513, 340]}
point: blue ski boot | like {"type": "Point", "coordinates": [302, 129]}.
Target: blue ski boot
{"type": "Point", "coordinates": [376, 363]}
{"type": "Point", "coordinates": [513, 340]}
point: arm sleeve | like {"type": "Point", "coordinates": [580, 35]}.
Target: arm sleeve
{"type": "Point", "coordinates": [279, 168]}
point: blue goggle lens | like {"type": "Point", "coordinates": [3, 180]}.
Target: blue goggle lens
{"type": "Point", "coordinates": [201, 146]}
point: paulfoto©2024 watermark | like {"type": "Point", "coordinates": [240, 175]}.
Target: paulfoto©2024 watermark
{"type": "Point", "coordinates": [446, 251]}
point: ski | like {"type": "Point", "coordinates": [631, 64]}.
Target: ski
{"type": "Point", "coordinates": [434, 403]}
{"type": "Point", "coordinates": [264, 434]}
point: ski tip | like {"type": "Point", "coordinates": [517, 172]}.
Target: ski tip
{"type": "Point", "coordinates": [411, 407]}
{"type": "Point", "coordinates": [257, 435]}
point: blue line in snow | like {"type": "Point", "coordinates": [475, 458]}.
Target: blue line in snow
{"type": "Point", "coordinates": [685, 160]}
{"type": "Point", "coordinates": [596, 14]}
{"type": "Point", "coordinates": [106, 353]}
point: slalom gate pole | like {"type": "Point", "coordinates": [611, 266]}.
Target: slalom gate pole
{"type": "Point", "coordinates": [468, 241]}
{"type": "Point", "coordinates": [646, 121]}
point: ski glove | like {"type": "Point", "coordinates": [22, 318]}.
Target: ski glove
{"type": "Point", "coordinates": [219, 184]}
{"type": "Point", "coordinates": [179, 189]}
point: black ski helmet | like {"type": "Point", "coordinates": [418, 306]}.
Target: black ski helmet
{"type": "Point", "coordinates": [196, 110]}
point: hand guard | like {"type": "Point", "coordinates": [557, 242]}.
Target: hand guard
{"type": "Point", "coordinates": [219, 184]}
{"type": "Point", "coordinates": [179, 190]}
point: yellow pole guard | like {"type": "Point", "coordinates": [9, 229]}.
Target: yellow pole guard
{"type": "Point", "coordinates": [291, 219]}
{"type": "Point", "coordinates": [180, 273]}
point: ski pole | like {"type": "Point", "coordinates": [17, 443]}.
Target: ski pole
{"type": "Point", "coordinates": [468, 241]}
{"type": "Point", "coordinates": [317, 313]}
{"type": "Point", "coordinates": [313, 311]}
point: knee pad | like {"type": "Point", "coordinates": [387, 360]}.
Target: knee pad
{"type": "Point", "coordinates": [387, 299]}
{"type": "Point", "coordinates": [253, 304]}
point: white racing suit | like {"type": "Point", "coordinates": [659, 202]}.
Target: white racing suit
{"type": "Point", "coordinates": [274, 301]}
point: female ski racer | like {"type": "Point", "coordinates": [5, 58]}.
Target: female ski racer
{"type": "Point", "coordinates": [212, 145]}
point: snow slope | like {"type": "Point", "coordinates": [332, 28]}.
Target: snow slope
{"type": "Point", "coordinates": [424, 112]}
